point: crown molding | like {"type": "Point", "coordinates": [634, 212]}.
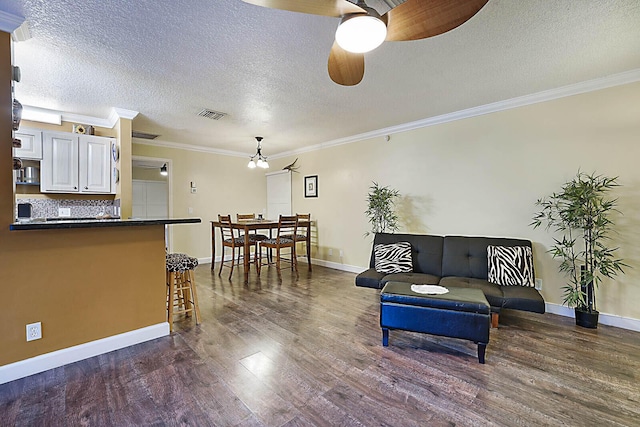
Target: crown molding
{"type": "Point", "coordinates": [87, 120]}
{"type": "Point", "coordinates": [190, 147]}
{"type": "Point", "coordinates": [9, 22]}
{"type": "Point", "coordinates": [627, 77]}
{"type": "Point", "coordinates": [121, 113]}
{"type": "Point", "coordinates": [109, 122]}
{"type": "Point", "coordinates": [619, 79]}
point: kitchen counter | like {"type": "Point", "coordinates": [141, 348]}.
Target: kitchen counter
{"type": "Point", "coordinates": [96, 223]}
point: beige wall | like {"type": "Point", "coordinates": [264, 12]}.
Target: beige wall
{"type": "Point", "coordinates": [225, 186]}
{"type": "Point", "coordinates": [477, 176]}
{"type": "Point", "coordinates": [482, 176]}
{"type": "Point", "coordinates": [124, 190]}
{"type": "Point", "coordinates": [147, 174]}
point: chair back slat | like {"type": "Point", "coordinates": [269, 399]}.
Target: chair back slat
{"type": "Point", "coordinates": [302, 231]}
{"type": "Point", "coordinates": [287, 226]}
{"type": "Point", "coordinates": [244, 217]}
{"type": "Point", "coordinates": [226, 231]}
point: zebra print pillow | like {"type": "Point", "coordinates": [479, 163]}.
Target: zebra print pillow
{"type": "Point", "coordinates": [510, 266]}
{"type": "Point", "coordinates": [393, 258]}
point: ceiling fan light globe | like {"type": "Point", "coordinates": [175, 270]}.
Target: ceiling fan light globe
{"type": "Point", "coordinates": [263, 164]}
{"type": "Point", "coordinates": [360, 33]}
{"type": "Point", "coordinates": [251, 164]}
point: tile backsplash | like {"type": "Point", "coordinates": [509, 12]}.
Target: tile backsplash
{"type": "Point", "coordinates": [48, 208]}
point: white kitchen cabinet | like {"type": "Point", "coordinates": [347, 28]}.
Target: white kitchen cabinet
{"type": "Point", "coordinates": [95, 164]}
{"type": "Point", "coordinates": [31, 144]}
{"type": "Point", "coordinates": [59, 167]}
{"type": "Point", "coordinates": [73, 163]}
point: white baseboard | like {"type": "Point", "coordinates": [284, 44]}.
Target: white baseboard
{"type": "Point", "coordinates": [44, 362]}
{"type": "Point", "coordinates": [337, 265]}
{"type": "Point", "coordinates": [207, 260]}
{"type": "Point", "coordinates": [604, 318]}
{"type": "Point", "coordinates": [314, 261]}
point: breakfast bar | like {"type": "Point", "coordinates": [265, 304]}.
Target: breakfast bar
{"type": "Point", "coordinates": [95, 285]}
{"type": "Point", "coordinates": [57, 224]}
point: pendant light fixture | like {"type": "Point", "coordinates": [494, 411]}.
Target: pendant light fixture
{"type": "Point", "coordinates": [261, 162]}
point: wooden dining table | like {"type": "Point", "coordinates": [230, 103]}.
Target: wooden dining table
{"type": "Point", "coordinates": [246, 226]}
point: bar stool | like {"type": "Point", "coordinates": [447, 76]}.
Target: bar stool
{"type": "Point", "coordinates": [181, 287]}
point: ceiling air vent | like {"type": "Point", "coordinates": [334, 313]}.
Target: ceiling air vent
{"type": "Point", "coordinates": [210, 114]}
{"type": "Point", "coordinates": [142, 135]}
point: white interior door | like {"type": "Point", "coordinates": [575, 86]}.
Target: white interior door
{"type": "Point", "coordinates": [278, 194]}
{"type": "Point", "coordinates": [150, 199]}
{"type": "Point", "coordinates": [139, 199]}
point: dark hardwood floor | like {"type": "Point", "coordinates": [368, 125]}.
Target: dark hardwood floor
{"type": "Point", "coordinates": [308, 352]}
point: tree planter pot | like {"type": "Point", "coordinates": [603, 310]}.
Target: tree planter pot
{"type": "Point", "coordinates": [587, 319]}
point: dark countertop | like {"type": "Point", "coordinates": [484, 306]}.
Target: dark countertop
{"type": "Point", "coordinates": [97, 223]}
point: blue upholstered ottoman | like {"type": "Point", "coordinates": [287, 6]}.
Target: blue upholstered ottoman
{"type": "Point", "coordinates": [460, 313]}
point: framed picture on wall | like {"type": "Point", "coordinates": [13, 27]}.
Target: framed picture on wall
{"type": "Point", "coordinates": [311, 186]}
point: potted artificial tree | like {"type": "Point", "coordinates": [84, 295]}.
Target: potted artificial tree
{"type": "Point", "coordinates": [381, 209]}
{"type": "Point", "coordinates": [580, 213]}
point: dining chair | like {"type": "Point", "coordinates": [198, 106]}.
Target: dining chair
{"type": "Point", "coordinates": [229, 240]}
{"type": "Point", "coordinates": [301, 236]}
{"type": "Point", "coordinates": [254, 237]}
{"type": "Point", "coordinates": [287, 225]}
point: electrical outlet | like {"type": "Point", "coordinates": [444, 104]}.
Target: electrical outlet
{"type": "Point", "coordinates": [341, 253]}
{"type": "Point", "coordinates": [34, 331]}
{"type": "Point", "coordinates": [64, 211]}
{"type": "Point", "coordinates": [330, 252]}
{"type": "Point", "coordinates": [190, 210]}
{"type": "Point", "coordinates": [539, 284]}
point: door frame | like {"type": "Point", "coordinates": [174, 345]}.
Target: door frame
{"type": "Point", "coordinates": [169, 162]}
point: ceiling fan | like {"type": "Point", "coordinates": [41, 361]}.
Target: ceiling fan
{"type": "Point", "coordinates": [362, 28]}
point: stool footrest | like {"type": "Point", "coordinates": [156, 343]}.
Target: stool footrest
{"type": "Point", "coordinates": [181, 295]}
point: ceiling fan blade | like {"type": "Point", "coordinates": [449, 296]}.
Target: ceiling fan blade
{"type": "Point", "coordinates": [419, 19]}
{"type": "Point", "coordinates": [314, 7]}
{"type": "Point", "coordinates": [345, 68]}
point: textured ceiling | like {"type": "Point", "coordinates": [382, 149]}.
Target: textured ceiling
{"type": "Point", "coordinates": [267, 69]}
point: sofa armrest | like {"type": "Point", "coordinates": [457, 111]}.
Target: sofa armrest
{"type": "Point", "coordinates": [370, 279]}
{"type": "Point", "coordinates": [523, 298]}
